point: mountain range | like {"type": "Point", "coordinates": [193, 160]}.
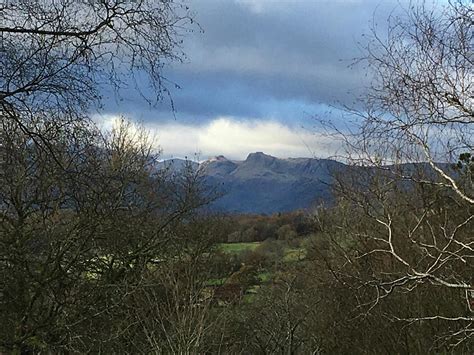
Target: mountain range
{"type": "Point", "coordinates": [265, 184]}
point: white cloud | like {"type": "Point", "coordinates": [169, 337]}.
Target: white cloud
{"type": "Point", "coordinates": [260, 6]}
{"type": "Point", "coordinates": [235, 139]}
{"type": "Point", "coordinates": [255, 6]}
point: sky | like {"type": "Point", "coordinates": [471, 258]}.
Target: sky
{"type": "Point", "coordinates": [257, 78]}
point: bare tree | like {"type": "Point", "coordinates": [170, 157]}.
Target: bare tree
{"type": "Point", "coordinates": [86, 216]}
{"type": "Point", "coordinates": [55, 56]}
{"type": "Point", "coordinates": [172, 310]}
{"type": "Point", "coordinates": [412, 180]}
{"type": "Point", "coordinates": [420, 105]}
{"type": "Point", "coordinates": [77, 238]}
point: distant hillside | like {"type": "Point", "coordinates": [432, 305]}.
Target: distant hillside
{"type": "Point", "coordinates": [265, 184]}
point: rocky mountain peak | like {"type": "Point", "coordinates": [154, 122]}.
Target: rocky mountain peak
{"type": "Point", "coordinates": [259, 157]}
{"type": "Point", "coordinates": [218, 158]}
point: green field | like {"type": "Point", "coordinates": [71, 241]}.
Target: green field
{"type": "Point", "coordinates": [238, 247]}
{"type": "Point", "coordinates": [291, 254]}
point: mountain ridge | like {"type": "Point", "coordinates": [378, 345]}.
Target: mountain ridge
{"type": "Point", "coordinates": [266, 184]}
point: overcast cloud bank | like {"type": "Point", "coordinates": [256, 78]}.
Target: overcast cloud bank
{"type": "Point", "coordinates": [233, 138]}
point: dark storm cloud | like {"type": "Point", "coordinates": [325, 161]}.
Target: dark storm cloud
{"type": "Point", "coordinates": [255, 56]}
{"type": "Point", "coordinates": [273, 51]}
